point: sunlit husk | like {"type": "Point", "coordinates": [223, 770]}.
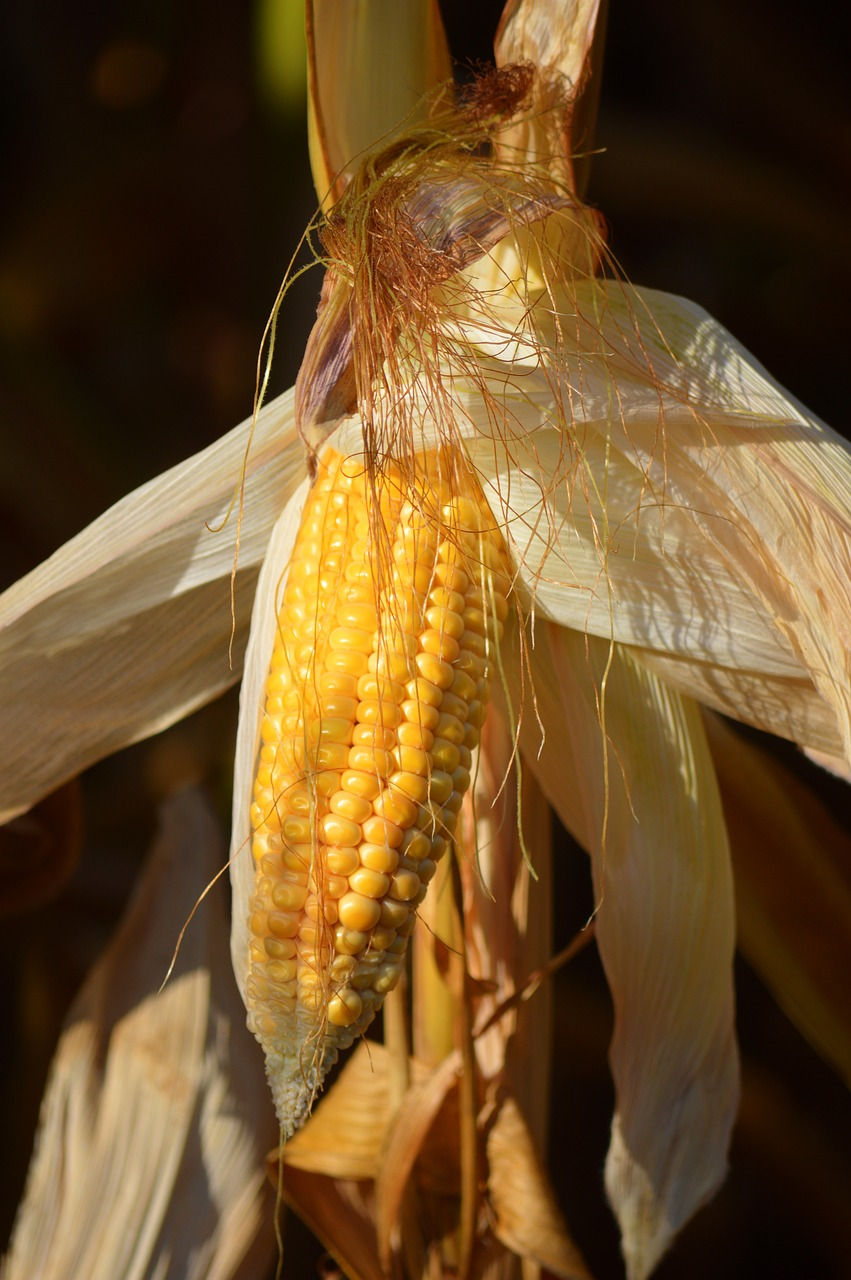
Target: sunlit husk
{"type": "Point", "coordinates": [507, 883]}
{"type": "Point", "coordinates": [149, 1159]}
{"type": "Point", "coordinates": [127, 628]}
{"type": "Point", "coordinates": [553, 35]}
{"type": "Point", "coordinates": [650, 816]}
{"type": "Point", "coordinates": [754, 465]}
{"type": "Point", "coordinates": [650, 473]}
{"type": "Point", "coordinates": [370, 65]}
{"type": "Point", "coordinates": [558, 38]}
{"type": "Point", "coordinates": [258, 654]}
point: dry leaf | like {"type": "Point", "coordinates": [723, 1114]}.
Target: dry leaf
{"type": "Point", "coordinates": [149, 1158]}
{"type": "Point", "coordinates": [526, 1217]}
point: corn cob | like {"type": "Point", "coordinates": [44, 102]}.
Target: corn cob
{"type": "Point", "coordinates": [394, 600]}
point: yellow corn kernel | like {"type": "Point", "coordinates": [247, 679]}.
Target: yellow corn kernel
{"type": "Point", "coordinates": [372, 884]}
{"type": "Point", "coordinates": [351, 806]}
{"type": "Point", "coordinates": [374, 702]}
{"type": "Point", "coordinates": [358, 912]}
{"type": "Point", "coordinates": [379, 857]}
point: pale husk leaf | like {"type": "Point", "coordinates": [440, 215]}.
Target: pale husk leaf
{"type": "Point", "coordinates": [508, 924]}
{"type": "Point", "coordinates": [554, 35]}
{"type": "Point", "coordinates": [558, 38]}
{"type": "Point", "coordinates": [793, 900]}
{"type": "Point", "coordinates": [767, 481]}
{"type": "Point", "coordinates": [149, 1159]}
{"type": "Point", "coordinates": [788, 706]}
{"type": "Point", "coordinates": [652, 822]}
{"type": "Point", "coordinates": [664, 492]}
{"type": "Point", "coordinates": [258, 655]}
{"type": "Point", "coordinates": [127, 628]}
{"type": "Point", "coordinates": [370, 63]}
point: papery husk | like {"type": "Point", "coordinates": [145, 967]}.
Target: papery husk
{"type": "Point", "coordinates": [650, 816]}
{"type": "Point", "coordinates": [258, 654]}
{"type": "Point", "coordinates": [791, 860]}
{"type": "Point", "coordinates": [555, 35]}
{"type": "Point", "coordinates": [149, 1158]}
{"type": "Point", "coordinates": [661, 490]}
{"type": "Point", "coordinates": [370, 65]}
{"type": "Point", "coordinates": [767, 481]}
{"type": "Point", "coordinates": [128, 627]}
{"type": "Point", "coordinates": [507, 880]}
{"type": "Point", "coordinates": [564, 40]}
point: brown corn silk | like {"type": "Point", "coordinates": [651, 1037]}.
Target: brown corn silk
{"type": "Point", "coordinates": [389, 619]}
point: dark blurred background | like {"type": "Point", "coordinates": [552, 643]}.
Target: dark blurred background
{"type": "Point", "coordinates": [156, 184]}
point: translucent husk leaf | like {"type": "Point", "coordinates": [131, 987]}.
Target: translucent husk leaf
{"type": "Point", "coordinates": [793, 900]}
{"type": "Point", "coordinates": [127, 628]}
{"type": "Point", "coordinates": [370, 63]}
{"type": "Point", "coordinates": [618, 563]}
{"type": "Point", "coordinates": [768, 483]}
{"type": "Point", "coordinates": [508, 904]}
{"type": "Point", "coordinates": [787, 706]}
{"type": "Point", "coordinates": [258, 653]}
{"type": "Point", "coordinates": [650, 816]}
{"type": "Point", "coordinates": [149, 1159]}
{"type": "Point", "coordinates": [690, 508]}
{"type": "Point", "coordinates": [555, 34]}
{"type": "Point", "coordinates": [558, 37]}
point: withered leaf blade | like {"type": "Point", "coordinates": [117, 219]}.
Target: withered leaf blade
{"type": "Point", "coordinates": [346, 1171]}
{"type": "Point", "coordinates": [526, 1218]}
{"type": "Point", "coordinates": [345, 1135]}
{"type": "Point", "coordinates": [417, 1113]}
{"type": "Point", "coordinates": [340, 1214]}
{"type": "Point", "coordinates": [149, 1159]}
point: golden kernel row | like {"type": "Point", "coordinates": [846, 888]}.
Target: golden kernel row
{"type": "Point", "coordinates": [373, 707]}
